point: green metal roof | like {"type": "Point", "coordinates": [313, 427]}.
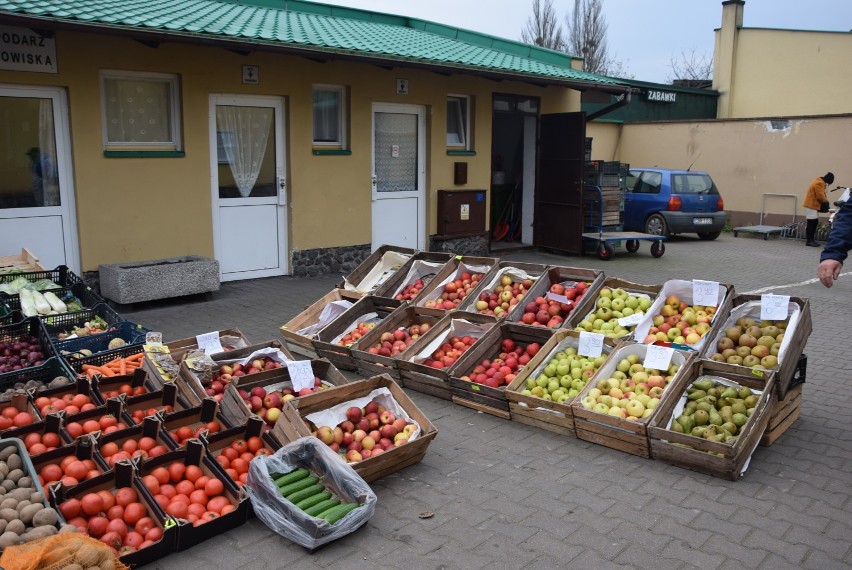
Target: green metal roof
{"type": "Point", "coordinates": [308, 26]}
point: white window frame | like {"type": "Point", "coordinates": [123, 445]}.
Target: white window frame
{"type": "Point", "coordinates": [341, 116]}
{"type": "Point", "coordinates": [173, 82]}
{"type": "Point", "coordinates": [464, 121]}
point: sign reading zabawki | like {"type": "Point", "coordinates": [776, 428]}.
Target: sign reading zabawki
{"type": "Point", "coordinates": [22, 49]}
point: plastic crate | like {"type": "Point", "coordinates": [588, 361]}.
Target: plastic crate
{"type": "Point", "coordinates": [76, 364]}
{"type": "Point", "coordinates": [131, 333]}
{"type": "Point", "coordinates": [27, 327]}
{"type": "Point", "coordinates": [55, 324]}
{"type": "Point", "coordinates": [52, 367]}
{"type": "Point", "coordinates": [62, 276]}
{"type": "Point", "coordinates": [83, 292]}
{"type": "Point", "coordinates": [800, 372]}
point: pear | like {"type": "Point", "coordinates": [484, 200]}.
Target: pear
{"type": "Point", "coordinates": [677, 427]}
{"type": "Point", "coordinates": [744, 392]}
{"type": "Point", "coordinates": [740, 419]}
{"type": "Point", "coordinates": [705, 385]}
{"type": "Point", "coordinates": [715, 418]}
{"type": "Point", "coordinates": [730, 427]}
{"type": "Point", "coordinates": [727, 413]}
{"type": "Point", "coordinates": [697, 395]}
{"type": "Point", "coordinates": [738, 407]}
{"type": "Point", "coordinates": [730, 392]}
{"type": "Point", "coordinates": [701, 417]}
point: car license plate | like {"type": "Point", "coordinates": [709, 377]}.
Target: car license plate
{"type": "Point", "coordinates": [702, 221]}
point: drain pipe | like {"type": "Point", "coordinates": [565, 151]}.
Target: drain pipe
{"type": "Point", "coordinates": [625, 99]}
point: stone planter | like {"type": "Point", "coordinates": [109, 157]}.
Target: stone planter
{"type": "Point", "coordinates": [139, 281]}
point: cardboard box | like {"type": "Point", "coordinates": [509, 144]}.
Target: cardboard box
{"type": "Point", "coordinates": [301, 341]}
{"type": "Point", "coordinates": [193, 418]}
{"type": "Point", "coordinates": [215, 443]}
{"type": "Point", "coordinates": [51, 424]}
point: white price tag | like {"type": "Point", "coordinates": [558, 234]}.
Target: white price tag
{"type": "Point", "coordinates": [559, 298]}
{"type": "Point", "coordinates": [631, 320]}
{"type": "Point", "coordinates": [301, 374]}
{"type": "Point", "coordinates": [658, 357]}
{"type": "Point", "coordinates": [774, 307]}
{"type": "Point", "coordinates": [209, 342]}
{"type": "Point", "coordinates": [154, 338]}
{"type": "Point", "coordinates": [705, 293]}
{"type": "Point", "coordinates": [591, 344]}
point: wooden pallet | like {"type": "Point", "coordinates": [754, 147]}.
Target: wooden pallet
{"type": "Point", "coordinates": [783, 415]}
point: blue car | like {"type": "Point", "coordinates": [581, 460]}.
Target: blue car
{"type": "Point", "coordinates": [666, 202]}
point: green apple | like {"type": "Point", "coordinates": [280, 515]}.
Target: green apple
{"type": "Point", "coordinates": [530, 383]}
{"type": "Point", "coordinates": [632, 303]}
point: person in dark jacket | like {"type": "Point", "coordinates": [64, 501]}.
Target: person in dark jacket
{"type": "Point", "coordinates": [837, 247]}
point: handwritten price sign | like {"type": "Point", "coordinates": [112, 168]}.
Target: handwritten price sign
{"type": "Point", "coordinates": [774, 307]}
{"type": "Point", "coordinates": [301, 374]}
{"type": "Point", "coordinates": [658, 357]}
{"type": "Point", "coordinates": [591, 344]}
{"type": "Point", "coordinates": [631, 320]}
{"type": "Point", "coordinates": [209, 342]}
{"type": "Point", "coordinates": [705, 293]}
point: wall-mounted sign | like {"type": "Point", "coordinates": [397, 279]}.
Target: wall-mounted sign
{"type": "Point", "coordinates": [251, 74]}
{"type": "Point", "coordinates": [402, 86]}
{"type": "Point", "coordinates": [22, 49]}
{"type": "Point", "coordinates": [465, 212]}
{"type": "Point", "coordinates": [661, 96]}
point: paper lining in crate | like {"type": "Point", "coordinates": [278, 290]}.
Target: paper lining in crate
{"type": "Point", "coordinates": [551, 415]}
{"type": "Point", "coordinates": [379, 266]}
{"type": "Point", "coordinates": [292, 425]}
{"type": "Point", "coordinates": [373, 355]}
{"type": "Point", "coordinates": [300, 331]}
{"type": "Point", "coordinates": [676, 437]}
{"type": "Point", "coordinates": [558, 287]}
{"type": "Point", "coordinates": [414, 370]}
{"type": "Point", "coordinates": [423, 265]}
{"type": "Point", "coordinates": [488, 394]}
{"type": "Point", "coordinates": [336, 340]}
{"type": "Point", "coordinates": [610, 323]}
{"type": "Point", "coordinates": [524, 275]}
{"type": "Point", "coordinates": [476, 268]}
{"type": "Point", "coordinates": [618, 432]}
{"type": "Point", "coordinates": [798, 328]}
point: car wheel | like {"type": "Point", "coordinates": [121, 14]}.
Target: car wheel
{"type": "Point", "coordinates": [709, 236]}
{"type": "Point", "coordinates": [656, 225]}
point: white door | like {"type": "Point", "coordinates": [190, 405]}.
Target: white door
{"type": "Point", "coordinates": [248, 172]}
{"type": "Point", "coordinates": [399, 175]}
{"type": "Point", "coordinates": [36, 192]}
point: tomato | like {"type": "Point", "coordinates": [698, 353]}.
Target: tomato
{"type": "Point", "coordinates": [240, 446]}
{"type": "Point", "coordinates": [240, 465]}
{"type": "Point", "coordinates": [134, 512]}
{"type": "Point", "coordinates": [134, 539]}
{"type": "Point", "coordinates": [109, 449]}
{"type": "Point", "coordinates": [143, 525]}
{"type": "Point", "coordinates": [22, 419]}
{"type": "Point", "coordinates": [90, 464]}
{"type": "Point", "coordinates": [51, 439]}
{"type": "Point", "coordinates": [243, 479]}
{"type": "Point", "coordinates": [69, 481]}
{"type": "Point", "coordinates": [39, 403]}
{"type": "Point", "coordinates": [71, 410]}
{"type": "Point", "coordinates": [70, 509]}
{"type": "Point", "coordinates": [232, 474]}
{"type": "Point", "coordinates": [117, 526]}
{"type": "Point", "coordinates": [247, 457]}
{"type": "Point", "coordinates": [115, 512]}
{"type": "Point", "coordinates": [201, 481]}
{"type": "Point", "coordinates": [183, 433]}
{"type": "Point", "coordinates": [80, 400]}
{"type": "Point", "coordinates": [230, 453]}
{"type": "Point", "coordinates": [176, 471]}
{"type": "Point", "coordinates": [112, 539]}
{"type": "Point", "coordinates": [97, 526]}
{"type": "Point", "coordinates": [92, 504]}
{"type": "Point", "coordinates": [77, 470]}
{"type": "Point", "coordinates": [87, 407]}
{"type": "Point", "coordinates": [91, 426]}
{"type": "Point", "coordinates": [209, 516]}
{"type": "Point", "coordinates": [152, 484]}
{"type": "Point", "coordinates": [193, 472]}
{"type": "Point", "coordinates": [162, 500]}
{"type": "Point", "coordinates": [192, 518]}
{"type": "Point", "coordinates": [168, 490]}
{"type": "Point", "coordinates": [139, 390]}
{"type": "Point", "coordinates": [199, 496]}
{"type": "Point", "coordinates": [157, 450]}
{"type": "Point", "coordinates": [223, 461]}
{"type": "Point", "coordinates": [254, 443]}
{"type": "Point", "coordinates": [51, 472]}
{"type": "Point", "coordinates": [68, 398]}
{"type": "Point", "coordinates": [81, 523]}
{"type": "Point", "coordinates": [125, 389]}
{"type": "Point", "coordinates": [216, 504]}
{"type": "Point", "coordinates": [139, 453]}
{"type": "Point", "coordinates": [212, 427]}
{"type": "Point", "coordinates": [37, 448]}
{"type": "Point", "coordinates": [185, 487]}
{"type": "Point", "coordinates": [182, 498]}
{"type": "Point", "coordinates": [262, 451]}
{"type": "Point", "coordinates": [178, 509]}
{"type": "Point", "coordinates": [162, 475]}
{"type": "Point", "coordinates": [228, 509]}
{"type": "Point", "coordinates": [147, 443]}
{"type": "Point", "coordinates": [125, 496]}
{"type": "Point", "coordinates": [31, 439]}
{"type": "Point", "coordinates": [130, 446]}
{"type": "Point", "coordinates": [154, 534]}
{"type": "Point", "coordinates": [214, 487]}
{"type": "Point", "coordinates": [92, 473]}
{"type": "Point", "coordinates": [108, 499]}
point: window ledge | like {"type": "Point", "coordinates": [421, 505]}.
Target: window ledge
{"type": "Point", "coordinates": [144, 154]}
{"type": "Point", "coordinates": [331, 152]}
{"type": "Point", "coordinates": [461, 153]}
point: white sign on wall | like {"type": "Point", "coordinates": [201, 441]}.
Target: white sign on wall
{"type": "Point", "coordinates": [22, 49]}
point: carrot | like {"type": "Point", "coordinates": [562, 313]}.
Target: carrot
{"type": "Point", "coordinates": [123, 365]}
{"type": "Point", "coordinates": [87, 367]}
{"type": "Point", "coordinates": [106, 371]}
{"type": "Point", "coordinates": [136, 357]}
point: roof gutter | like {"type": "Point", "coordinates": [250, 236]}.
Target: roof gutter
{"type": "Point", "coordinates": [625, 100]}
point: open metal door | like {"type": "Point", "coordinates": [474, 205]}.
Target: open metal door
{"type": "Point", "coordinates": [559, 187]}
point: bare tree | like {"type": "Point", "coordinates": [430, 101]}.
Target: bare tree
{"type": "Point", "coordinates": [543, 28]}
{"type": "Point", "coordinates": [587, 38]}
{"type": "Point", "coordinates": [691, 69]}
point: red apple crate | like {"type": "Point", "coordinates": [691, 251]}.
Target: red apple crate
{"type": "Point", "coordinates": [724, 460]}
{"type": "Point", "coordinates": [341, 356]}
{"type": "Point", "coordinates": [124, 475]}
{"type": "Point", "coordinates": [576, 317]}
{"type": "Point", "coordinates": [452, 271]}
{"type": "Point", "coordinates": [151, 426]}
{"type": "Point", "coordinates": [793, 347]}
{"type": "Point", "coordinates": [538, 412]}
{"type": "Point", "coordinates": [620, 433]}
{"type": "Point", "coordinates": [492, 280]}
{"type": "Point", "coordinates": [355, 278]}
{"type": "Point", "coordinates": [193, 418]}
{"type": "Point", "coordinates": [436, 381]}
{"type": "Point", "coordinates": [82, 449]}
{"type": "Point", "coordinates": [80, 386]}
{"type": "Point", "coordinates": [303, 343]}
{"type": "Point", "coordinates": [479, 396]}
{"type": "Point", "coordinates": [51, 424]}
{"type": "Point", "coordinates": [292, 426]}
{"type": "Point", "coordinates": [234, 409]}
{"type": "Point", "coordinates": [403, 277]}
{"type": "Point", "coordinates": [370, 364]}
{"type": "Point", "coordinates": [215, 443]}
{"type": "Point", "coordinates": [194, 454]}
{"type": "Point", "coordinates": [558, 275]}
{"type": "Point", "coordinates": [18, 403]}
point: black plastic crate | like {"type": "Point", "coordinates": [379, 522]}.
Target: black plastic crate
{"type": "Point", "coordinates": [15, 331]}
{"type": "Point", "coordinates": [44, 374]}
{"type": "Point", "coordinates": [62, 276]}
{"type": "Point", "coordinates": [81, 291]}
{"type": "Point", "coordinates": [131, 333]}
{"type": "Point", "coordinates": [799, 373]}
{"type": "Point", "coordinates": [55, 324]}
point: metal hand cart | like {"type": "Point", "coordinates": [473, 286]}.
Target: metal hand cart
{"type": "Point", "coordinates": [595, 231]}
{"type": "Point", "coordinates": [762, 228]}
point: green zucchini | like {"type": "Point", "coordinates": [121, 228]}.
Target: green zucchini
{"type": "Point", "coordinates": [313, 500]}
{"type": "Point", "coordinates": [298, 485]}
{"type": "Point", "coordinates": [305, 493]}
{"type": "Point", "coordinates": [322, 507]}
{"type": "Point", "coordinates": [291, 477]}
{"type": "Point", "coordinates": [334, 514]}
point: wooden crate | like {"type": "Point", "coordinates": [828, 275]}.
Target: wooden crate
{"type": "Point", "coordinates": [400, 280]}
{"type": "Point", "coordinates": [490, 399]}
{"type": "Point", "coordinates": [492, 279]}
{"type": "Point", "coordinates": [725, 460]}
{"type": "Point", "coordinates": [559, 274]}
{"type": "Point", "coordinates": [618, 433]}
{"type": "Point", "coordinates": [176, 351]}
{"type": "Point", "coordinates": [24, 261]}
{"type": "Point", "coordinates": [405, 316]}
{"type": "Point", "coordinates": [538, 412]}
{"type": "Point", "coordinates": [354, 279]}
{"type": "Point", "coordinates": [303, 343]}
{"type": "Point", "coordinates": [435, 381]}
{"type": "Point", "coordinates": [612, 283]}
{"type": "Point", "coordinates": [450, 272]}
{"type": "Point", "coordinates": [782, 415]}
{"type": "Point", "coordinates": [339, 355]}
{"type": "Point", "coordinates": [292, 426]}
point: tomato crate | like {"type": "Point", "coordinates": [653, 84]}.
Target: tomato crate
{"type": "Point", "coordinates": [647, 292]}
{"type": "Point", "coordinates": [96, 420]}
{"type": "Point", "coordinates": [365, 314]}
{"type": "Point", "coordinates": [217, 443]}
{"type": "Point", "coordinates": [492, 399]}
{"type": "Point", "coordinates": [452, 272]}
{"type": "Point", "coordinates": [195, 419]}
{"type": "Point", "coordinates": [80, 390]}
{"type": "Point", "coordinates": [133, 384]}
{"type": "Point", "coordinates": [82, 450]}
{"type": "Point", "coordinates": [125, 475]}
{"type": "Point", "coordinates": [556, 285]}
{"type": "Point", "coordinates": [728, 459]}
{"type": "Point", "coordinates": [423, 265]}
{"type": "Point", "coordinates": [517, 271]}
{"type": "Point", "coordinates": [52, 424]}
{"type": "Point", "coordinates": [421, 377]}
{"type": "Point", "coordinates": [64, 323]}
{"type": "Point", "coordinates": [300, 331]}
{"type": "Point", "coordinates": [164, 402]}
{"type": "Point", "coordinates": [402, 319]}
{"type": "Point", "coordinates": [617, 432]}
{"type": "Point", "coordinates": [127, 444]}
{"type": "Point", "coordinates": [25, 261]}
{"type": "Point", "coordinates": [536, 411]}
{"type": "Point", "coordinates": [783, 414]}
{"type": "Point", "coordinates": [379, 266]}
{"type": "Point", "coordinates": [293, 423]}
{"type": "Point", "coordinates": [18, 403]}
{"type": "Point", "coordinates": [26, 329]}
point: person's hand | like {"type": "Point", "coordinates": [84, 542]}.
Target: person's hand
{"type": "Point", "coordinates": [828, 271]}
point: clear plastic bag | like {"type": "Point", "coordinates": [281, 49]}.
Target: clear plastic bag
{"type": "Point", "coordinates": [287, 519]}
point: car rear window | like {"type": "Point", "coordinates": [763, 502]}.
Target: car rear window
{"type": "Point", "coordinates": [693, 184]}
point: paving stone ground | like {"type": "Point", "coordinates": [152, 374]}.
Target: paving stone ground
{"type": "Point", "coordinates": [506, 495]}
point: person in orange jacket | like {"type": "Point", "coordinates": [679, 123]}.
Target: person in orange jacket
{"type": "Point", "coordinates": [815, 197]}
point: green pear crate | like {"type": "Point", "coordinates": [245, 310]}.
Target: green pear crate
{"type": "Point", "coordinates": [452, 272]}
{"type": "Point", "coordinates": [719, 459]}
{"type": "Point", "coordinates": [493, 279]}
{"type": "Point", "coordinates": [379, 266]}
{"type": "Point", "coordinates": [360, 318]}
{"type": "Point", "coordinates": [422, 265]}
{"type": "Point", "coordinates": [300, 331]}
{"type": "Point", "coordinates": [792, 345]}
{"type": "Point", "coordinates": [368, 356]}
{"type": "Point", "coordinates": [630, 436]}
{"type": "Point", "coordinates": [783, 415]}
{"type": "Point", "coordinates": [493, 399]}
{"type": "Point", "coordinates": [559, 275]}
{"type": "Point", "coordinates": [576, 318]}
{"type": "Point", "coordinates": [420, 377]}
{"type": "Point", "coordinates": [538, 412]}
{"type": "Point", "coordinates": [292, 425]}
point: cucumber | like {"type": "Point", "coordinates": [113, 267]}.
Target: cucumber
{"type": "Point", "coordinates": [334, 514]}
{"type": "Point", "coordinates": [313, 500]}
{"type": "Point", "coordinates": [291, 477]}
{"type": "Point", "coordinates": [298, 485]}
{"type": "Point", "coordinates": [322, 507]}
{"type": "Point", "coordinates": [305, 493]}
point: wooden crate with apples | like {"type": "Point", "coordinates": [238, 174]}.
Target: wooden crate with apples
{"type": "Point", "coordinates": [718, 454]}
{"type": "Point", "coordinates": [294, 425]}
{"type": "Point", "coordinates": [380, 349]}
{"type": "Point", "coordinates": [610, 427]}
{"type": "Point", "coordinates": [586, 318]}
{"type": "Point", "coordinates": [548, 414]}
{"type": "Point", "coordinates": [420, 270]}
{"type": "Point", "coordinates": [424, 367]}
{"type": "Point", "coordinates": [454, 282]}
{"type": "Point", "coordinates": [504, 290]}
{"type": "Point", "coordinates": [377, 268]}
{"type": "Point", "coordinates": [300, 331]}
{"type": "Point", "coordinates": [479, 380]}
{"type": "Point", "coordinates": [336, 340]}
{"type": "Point", "coordinates": [557, 294]}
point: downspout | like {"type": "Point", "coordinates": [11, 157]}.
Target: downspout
{"type": "Point", "coordinates": [609, 108]}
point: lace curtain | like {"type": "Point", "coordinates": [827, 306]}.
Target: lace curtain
{"type": "Point", "coordinates": [248, 129]}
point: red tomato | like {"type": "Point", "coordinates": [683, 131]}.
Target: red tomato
{"type": "Point", "coordinates": [199, 496]}
{"type": "Point", "coordinates": [68, 398]}
{"type": "Point", "coordinates": [147, 443]}
{"type": "Point", "coordinates": [185, 487]}
{"type": "Point", "coordinates": [243, 479]}
{"type": "Point", "coordinates": [134, 539]}
{"type": "Point", "coordinates": [92, 473]}
{"type": "Point", "coordinates": [182, 498]}
{"type": "Point", "coordinates": [157, 450]}
{"type": "Point", "coordinates": [97, 526]}
{"type": "Point", "coordinates": [109, 449]}
{"type": "Point", "coordinates": [70, 509]}
{"type": "Point", "coordinates": [22, 419]}
{"type": "Point", "coordinates": [37, 448]}
{"type": "Point", "coordinates": [193, 472]}
{"type": "Point", "coordinates": [69, 481]}
{"type": "Point", "coordinates": [212, 427]}
{"type": "Point", "coordinates": [31, 439]}
{"type": "Point", "coordinates": [216, 504]}
{"type": "Point", "coordinates": [178, 509]}
{"type": "Point", "coordinates": [197, 509]}
{"type": "Point", "coordinates": [89, 464]}
{"type": "Point", "coordinates": [125, 496]}
{"type": "Point", "coordinates": [223, 461]}
{"type": "Point", "coordinates": [240, 445]}
{"type": "Point", "coordinates": [214, 487]}
{"type": "Point", "coordinates": [227, 509]}
{"type": "Point", "coordinates": [168, 490]}
{"type": "Point", "coordinates": [39, 403]}
{"type": "Point", "coordinates": [254, 443]}
{"type": "Point", "coordinates": [80, 400]}
{"type": "Point", "coordinates": [240, 465]}
{"type": "Point", "coordinates": [51, 472]}
{"type": "Point", "coordinates": [71, 410]}
{"type": "Point", "coordinates": [154, 534]}
{"type": "Point", "coordinates": [92, 504]}
{"type": "Point", "coordinates": [247, 457]}
{"type": "Point", "coordinates": [201, 481]}
{"type": "Point", "coordinates": [77, 470]}
{"type": "Point", "coordinates": [81, 523]}
{"type": "Point", "coordinates": [74, 429]}
{"type": "Point", "coordinates": [152, 484]}
{"type": "Point", "coordinates": [130, 445]}
{"type": "Point", "coordinates": [162, 475]}
{"type": "Point", "coordinates": [143, 525]}
{"type": "Point", "coordinates": [230, 453]}
{"type": "Point", "coordinates": [134, 512]}
{"type": "Point", "coordinates": [232, 474]}
{"type": "Point", "coordinates": [262, 451]}
{"type": "Point", "coordinates": [183, 433]}
{"type": "Point", "coordinates": [176, 471]}
{"type": "Point", "coordinates": [162, 500]}
{"type": "Point", "coordinates": [51, 439]}
{"type": "Point", "coordinates": [115, 512]}
{"type": "Point", "coordinates": [118, 526]}
{"type": "Point", "coordinates": [139, 390]}
{"type": "Point", "coordinates": [87, 407]}
{"type": "Point", "coordinates": [125, 389]}
{"type": "Point", "coordinates": [91, 426]}
{"type": "Point", "coordinates": [108, 499]}
{"type": "Point", "coordinates": [113, 539]}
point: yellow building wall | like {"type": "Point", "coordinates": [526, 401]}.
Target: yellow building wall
{"type": "Point", "coordinates": [606, 140]}
{"type": "Point", "coordinates": [131, 209]}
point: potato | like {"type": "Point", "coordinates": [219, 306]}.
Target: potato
{"type": "Point", "coordinates": [22, 505]}
{"type": "Point", "coordinates": [21, 494]}
{"type": "Point", "coordinates": [28, 512]}
{"type": "Point", "coordinates": [9, 503]}
{"type": "Point", "coordinates": [8, 484]}
{"type": "Point", "coordinates": [17, 526]}
{"type": "Point", "coordinates": [4, 468]}
{"type": "Point", "coordinates": [7, 451]}
{"type": "Point", "coordinates": [45, 517]}
{"type": "Point", "coordinates": [37, 497]}
{"type": "Point", "coordinates": [108, 564]}
{"type": "Point", "coordinates": [15, 462]}
{"type": "Point", "coordinates": [9, 515]}
{"type": "Point", "coordinates": [39, 532]}
{"type": "Point", "coordinates": [14, 475]}
{"type": "Point", "coordinates": [25, 482]}
{"type": "Point", "coordinates": [73, 567]}
{"type": "Point", "coordinates": [3, 523]}
{"type": "Point", "coordinates": [8, 539]}
{"type": "Point", "coordinates": [68, 528]}
{"type": "Point", "coordinates": [2, 490]}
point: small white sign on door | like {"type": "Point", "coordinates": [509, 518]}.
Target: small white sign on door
{"type": "Point", "coordinates": [402, 86]}
{"type": "Point", "coordinates": [394, 151]}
